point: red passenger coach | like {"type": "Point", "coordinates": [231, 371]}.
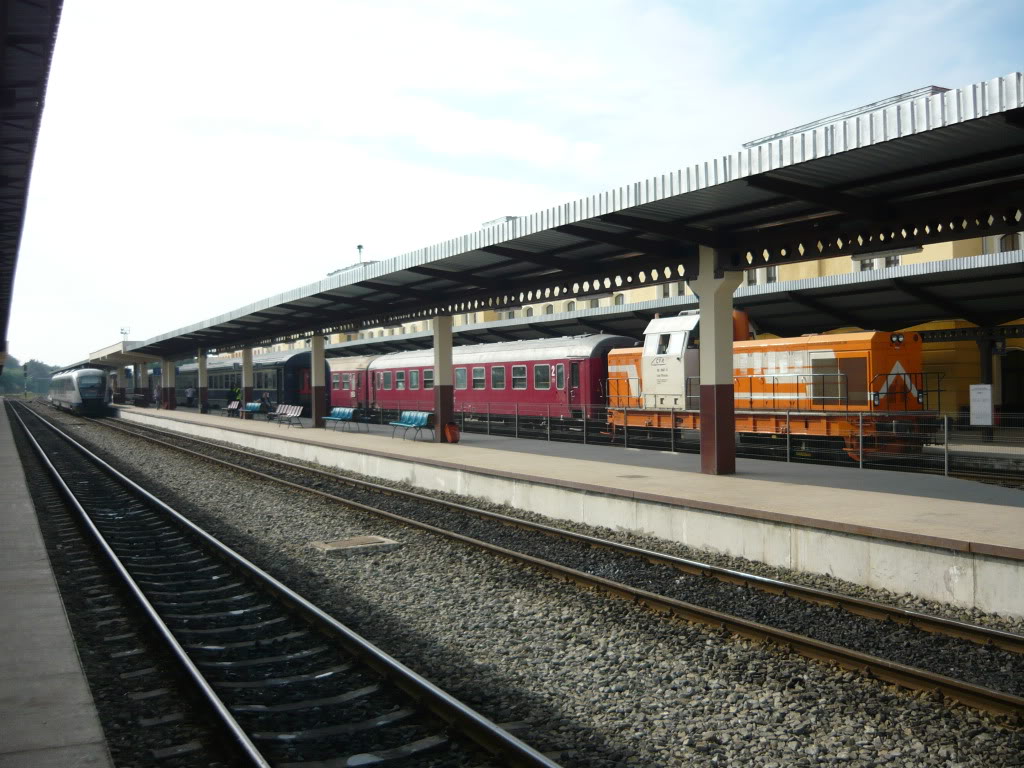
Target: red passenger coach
{"type": "Point", "coordinates": [350, 381]}
{"type": "Point", "coordinates": [546, 376]}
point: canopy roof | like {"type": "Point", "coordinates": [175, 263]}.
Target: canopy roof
{"type": "Point", "coordinates": [939, 167]}
{"type": "Point", "coordinates": [28, 31]}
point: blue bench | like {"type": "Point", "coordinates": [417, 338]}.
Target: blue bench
{"type": "Point", "coordinates": [345, 417]}
{"type": "Point", "coordinates": [249, 411]}
{"type": "Point", "coordinates": [417, 420]}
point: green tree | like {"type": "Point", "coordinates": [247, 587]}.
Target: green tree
{"type": "Point", "coordinates": [12, 380]}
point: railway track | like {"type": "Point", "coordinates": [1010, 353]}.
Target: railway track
{"type": "Point", "coordinates": [978, 666]}
{"type": "Point", "coordinates": [287, 684]}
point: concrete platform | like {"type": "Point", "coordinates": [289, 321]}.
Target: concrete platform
{"type": "Point", "coordinates": [944, 539]}
{"type": "Point", "coordinates": [47, 715]}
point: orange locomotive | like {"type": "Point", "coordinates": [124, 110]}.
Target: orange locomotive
{"type": "Point", "coordinates": [848, 390]}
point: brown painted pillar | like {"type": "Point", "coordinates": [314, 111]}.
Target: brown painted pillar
{"type": "Point", "coordinates": [168, 396]}
{"type": "Point", "coordinates": [717, 396]}
{"type": "Point", "coordinates": [202, 381]}
{"type": "Point", "coordinates": [317, 379]}
{"type": "Point", "coordinates": [247, 377]}
{"type": "Point", "coordinates": [444, 391]}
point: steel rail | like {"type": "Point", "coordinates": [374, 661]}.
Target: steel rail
{"type": "Point", "coordinates": [866, 608]}
{"type": "Point", "coordinates": [909, 677]}
{"type": "Point", "coordinates": [250, 750]}
{"type": "Point", "coordinates": [491, 737]}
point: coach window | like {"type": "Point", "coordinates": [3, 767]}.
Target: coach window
{"type": "Point", "coordinates": [400, 380]}
{"type": "Point", "coordinates": [387, 379]}
{"type": "Point", "coordinates": [414, 379]}
{"type": "Point", "coordinates": [560, 376]}
{"type": "Point", "coordinates": [542, 377]}
{"type": "Point", "coordinates": [479, 378]}
{"type": "Point", "coordinates": [498, 377]}
{"type": "Point", "coordinates": [346, 381]}
{"type": "Point", "coordinates": [460, 378]}
{"type": "Point", "coordinates": [518, 377]}
{"type": "Point", "coordinates": [335, 381]}
{"type": "Point", "coordinates": [428, 378]}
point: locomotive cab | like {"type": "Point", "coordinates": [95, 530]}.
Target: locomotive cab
{"type": "Point", "coordinates": [668, 359]}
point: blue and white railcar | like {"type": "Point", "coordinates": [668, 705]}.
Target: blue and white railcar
{"type": "Point", "coordinates": [81, 391]}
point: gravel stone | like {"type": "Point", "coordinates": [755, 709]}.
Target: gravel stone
{"type": "Point", "coordinates": [601, 682]}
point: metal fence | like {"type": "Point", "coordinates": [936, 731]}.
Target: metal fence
{"type": "Point", "coordinates": [944, 444]}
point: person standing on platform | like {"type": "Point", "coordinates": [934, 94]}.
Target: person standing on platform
{"type": "Point", "coordinates": [190, 395]}
{"type": "Point", "coordinates": [265, 405]}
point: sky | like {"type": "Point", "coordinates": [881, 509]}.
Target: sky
{"type": "Point", "coordinates": [196, 156]}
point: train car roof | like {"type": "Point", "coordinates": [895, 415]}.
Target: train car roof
{"type": "Point", "coordinates": [816, 340]}
{"type": "Point", "coordinates": [270, 358]}
{"type": "Point", "coordinates": [73, 371]}
{"type": "Point", "coordinates": [511, 351]}
{"type": "Point", "coordinates": [350, 362]}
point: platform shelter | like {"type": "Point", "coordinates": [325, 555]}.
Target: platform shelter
{"type": "Point", "coordinates": [942, 166]}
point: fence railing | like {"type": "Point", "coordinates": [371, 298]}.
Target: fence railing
{"type": "Point", "coordinates": [944, 444]}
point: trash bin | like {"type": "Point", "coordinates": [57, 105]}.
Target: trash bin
{"type": "Point", "coordinates": [451, 432]}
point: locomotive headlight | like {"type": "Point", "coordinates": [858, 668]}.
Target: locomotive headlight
{"type": "Point", "coordinates": [876, 399]}
{"type": "Point", "coordinates": [896, 338]}
{"type": "Point", "coordinates": [920, 398]}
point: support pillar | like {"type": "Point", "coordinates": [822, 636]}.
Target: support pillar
{"type": "Point", "coordinates": [139, 383]}
{"type": "Point", "coordinates": [168, 374]}
{"type": "Point", "coordinates": [985, 377]}
{"type": "Point", "coordinates": [317, 379]}
{"type": "Point", "coordinates": [203, 381]}
{"type": "Point", "coordinates": [247, 379]}
{"type": "Point", "coordinates": [717, 395]}
{"type": "Point", "coordinates": [444, 391]}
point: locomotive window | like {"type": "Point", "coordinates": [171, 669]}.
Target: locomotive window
{"type": "Point", "coordinates": [460, 378]}
{"type": "Point", "coordinates": [826, 382]}
{"type": "Point", "coordinates": [518, 377]}
{"type": "Point", "coordinates": [498, 377]}
{"type": "Point", "coordinates": [560, 376]}
{"type": "Point", "coordinates": [479, 378]}
{"type": "Point", "coordinates": [414, 379]}
{"type": "Point", "coordinates": [856, 371]}
{"type": "Point", "coordinates": [400, 380]}
{"type": "Point", "coordinates": [542, 377]}
{"type": "Point", "coordinates": [387, 379]}
{"type": "Point", "coordinates": [663, 343]}
{"type": "Point", "coordinates": [428, 378]}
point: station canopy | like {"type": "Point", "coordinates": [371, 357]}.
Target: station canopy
{"type": "Point", "coordinates": [28, 32]}
{"type": "Point", "coordinates": [945, 165]}
{"type": "Point", "coordinates": [984, 290]}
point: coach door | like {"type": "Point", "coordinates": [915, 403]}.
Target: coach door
{"type": "Point", "coordinates": [575, 396]}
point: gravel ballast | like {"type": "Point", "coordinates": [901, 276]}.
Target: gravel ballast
{"type": "Point", "coordinates": [602, 681]}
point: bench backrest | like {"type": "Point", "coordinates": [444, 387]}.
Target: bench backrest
{"type": "Point", "coordinates": [233, 405]}
{"type": "Point", "coordinates": [294, 410]}
{"type": "Point", "coordinates": [250, 407]}
{"type": "Point", "coordinates": [281, 409]}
